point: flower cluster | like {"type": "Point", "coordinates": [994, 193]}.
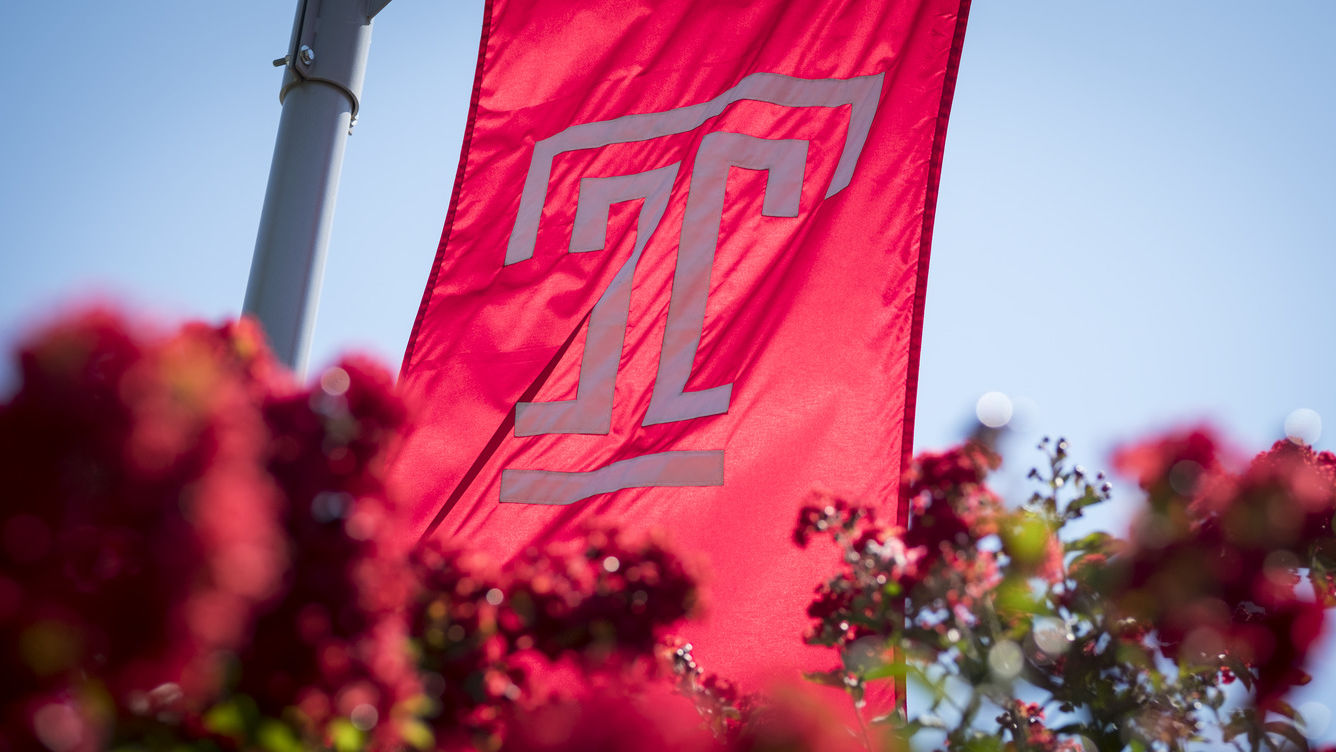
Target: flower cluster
{"type": "Point", "coordinates": [195, 551]}
{"type": "Point", "coordinates": [1024, 721]}
{"type": "Point", "coordinates": [329, 652]}
{"type": "Point", "coordinates": [192, 535]}
{"type": "Point", "coordinates": [792, 719]}
{"type": "Point", "coordinates": [193, 555]}
{"type": "Point", "coordinates": [1132, 640]}
{"type": "Point", "coordinates": [724, 708]}
{"type": "Point", "coordinates": [1214, 562]}
{"type": "Point", "coordinates": [912, 587]}
{"type": "Point", "coordinates": [604, 594]}
{"type": "Point", "coordinates": [138, 532]}
{"type": "Point", "coordinates": [499, 640]}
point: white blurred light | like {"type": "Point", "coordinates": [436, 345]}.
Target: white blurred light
{"type": "Point", "coordinates": [993, 409]}
{"type": "Point", "coordinates": [1051, 636]}
{"type": "Point", "coordinates": [364, 717]}
{"type": "Point", "coordinates": [1005, 660]}
{"type": "Point", "coordinates": [58, 726]}
{"type": "Point", "coordinates": [335, 381]}
{"type": "Point", "coordinates": [1303, 426]}
{"type": "Point", "coordinates": [495, 596]}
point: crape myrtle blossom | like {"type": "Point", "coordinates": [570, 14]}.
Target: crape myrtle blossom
{"type": "Point", "coordinates": [499, 643]}
{"type": "Point", "coordinates": [1215, 561]}
{"type": "Point", "coordinates": [984, 606]}
{"type": "Point", "coordinates": [331, 648]}
{"type": "Point", "coordinates": [139, 529]}
{"type": "Point", "coordinates": [194, 552]}
{"type": "Point", "coordinates": [193, 556]}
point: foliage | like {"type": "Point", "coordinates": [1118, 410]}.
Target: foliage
{"type": "Point", "coordinates": [199, 553]}
{"type": "Point", "coordinates": [1027, 638]}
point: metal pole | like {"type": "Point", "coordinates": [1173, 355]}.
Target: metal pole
{"type": "Point", "coordinates": [322, 82]}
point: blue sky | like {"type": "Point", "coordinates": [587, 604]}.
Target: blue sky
{"type": "Point", "coordinates": [1136, 225]}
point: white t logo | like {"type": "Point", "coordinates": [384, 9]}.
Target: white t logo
{"type": "Point", "coordinates": [591, 411]}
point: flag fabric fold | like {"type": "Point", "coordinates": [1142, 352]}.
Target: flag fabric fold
{"type": "Point", "coordinates": [681, 286]}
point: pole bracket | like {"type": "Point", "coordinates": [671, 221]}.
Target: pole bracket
{"type": "Point", "coordinates": [328, 46]}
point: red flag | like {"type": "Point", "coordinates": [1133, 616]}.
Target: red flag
{"type": "Point", "coordinates": [681, 284]}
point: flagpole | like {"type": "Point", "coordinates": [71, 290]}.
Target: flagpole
{"type": "Point", "coordinates": [323, 72]}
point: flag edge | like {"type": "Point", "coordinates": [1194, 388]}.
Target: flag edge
{"type": "Point", "coordinates": [452, 210]}
{"type": "Point", "coordinates": [921, 277]}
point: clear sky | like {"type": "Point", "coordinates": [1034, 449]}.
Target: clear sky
{"type": "Point", "coordinates": [1136, 227]}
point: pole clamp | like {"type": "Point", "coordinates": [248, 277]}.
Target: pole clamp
{"type": "Point", "coordinates": [328, 46]}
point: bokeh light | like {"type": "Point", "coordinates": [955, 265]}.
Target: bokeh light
{"type": "Point", "coordinates": [1303, 426]}
{"type": "Point", "coordinates": [1005, 659]}
{"type": "Point", "coordinates": [993, 409]}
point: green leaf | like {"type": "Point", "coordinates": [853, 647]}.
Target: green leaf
{"type": "Point", "coordinates": [1237, 724]}
{"type": "Point", "coordinates": [1240, 670]}
{"type": "Point", "coordinates": [1135, 654]}
{"type": "Point", "coordinates": [1071, 729]}
{"type": "Point", "coordinates": [1287, 730]}
{"type": "Point", "coordinates": [895, 718]}
{"type": "Point", "coordinates": [226, 719]}
{"type": "Point", "coordinates": [1026, 539]}
{"type": "Point", "coordinates": [892, 670]}
{"type": "Point", "coordinates": [982, 743]}
{"type": "Point", "coordinates": [831, 678]}
{"type": "Point", "coordinates": [1075, 506]}
{"type": "Point", "coordinates": [904, 731]}
{"type": "Point", "coordinates": [1092, 542]}
{"type": "Point", "coordinates": [346, 736]}
{"type": "Point", "coordinates": [1280, 707]}
{"type": "Point", "coordinates": [417, 734]}
{"type": "Point", "coordinates": [1015, 596]}
{"type": "Point", "coordinates": [275, 736]}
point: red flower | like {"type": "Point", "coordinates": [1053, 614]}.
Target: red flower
{"type": "Point", "coordinates": [1292, 630]}
{"type": "Point", "coordinates": [612, 722]}
{"type": "Point", "coordinates": [1214, 568]}
{"type": "Point", "coordinates": [336, 643]}
{"type": "Point", "coordinates": [949, 503]}
{"type": "Point", "coordinates": [800, 718]}
{"type": "Point", "coordinates": [1173, 463]}
{"type": "Point", "coordinates": [599, 595]}
{"type": "Point", "coordinates": [494, 643]}
{"type": "Point", "coordinates": [807, 718]}
{"type": "Point", "coordinates": [139, 531]}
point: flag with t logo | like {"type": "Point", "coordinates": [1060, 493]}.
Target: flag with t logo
{"type": "Point", "coordinates": [680, 286]}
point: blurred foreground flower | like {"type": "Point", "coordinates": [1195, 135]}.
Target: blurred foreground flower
{"type": "Point", "coordinates": [138, 532]}
{"type": "Point", "coordinates": [1019, 637]}
{"type": "Point", "coordinates": [499, 644]}
{"type": "Point", "coordinates": [193, 556]}
{"type": "Point", "coordinates": [1215, 560]}
{"type": "Point", "coordinates": [161, 487]}
{"type": "Point", "coordinates": [193, 552]}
